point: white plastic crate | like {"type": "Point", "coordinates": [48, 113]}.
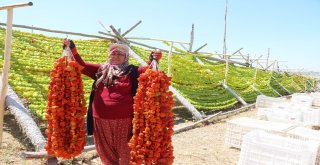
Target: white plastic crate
{"type": "Point", "coordinates": [302, 100]}
{"type": "Point", "coordinates": [262, 148]}
{"type": "Point", "coordinates": [263, 101]}
{"type": "Point", "coordinates": [264, 111]}
{"type": "Point", "coordinates": [311, 116]}
{"type": "Point", "coordinates": [287, 116]}
{"type": "Point", "coordinates": [316, 102]}
{"type": "Point", "coordinates": [316, 99]}
{"type": "Point", "coordinates": [281, 115]}
{"type": "Point", "coordinates": [304, 134]}
{"type": "Point", "coordinates": [237, 128]}
{"type": "Point", "coordinates": [285, 106]}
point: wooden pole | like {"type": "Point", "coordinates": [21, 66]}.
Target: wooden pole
{"type": "Point", "coordinates": [57, 31]}
{"type": "Point", "coordinates": [44, 154]}
{"type": "Point", "coordinates": [16, 5]}
{"type": "Point", "coordinates": [255, 73]}
{"type": "Point", "coordinates": [268, 58]}
{"type": "Point", "coordinates": [247, 60]}
{"type": "Point", "coordinates": [169, 59]}
{"type": "Point", "coordinates": [225, 29]}
{"type": "Point", "coordinates": [273, 66]}
{"type": "Point", "coordinates": [153, 39]}
{"type": "Point", "coordinates": [5, 70]}
{"type": "Point", "coordinates": [226, 71]}
{"type": "Point", "coordinates": [111, 35]}
{"type": "Point", "coordinates": [191, 38]}
{"type": "Point", "coordinates": [230, 61]}
{"type": "Point", "coordinates": [6, 65]}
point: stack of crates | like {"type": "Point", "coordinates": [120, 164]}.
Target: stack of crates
{"type": "Point", "coordinates": [263, 101]}
{"type": "Point", "coordinates": [237, 128]}
{"type": "Point", "coordinates": [264, 148]}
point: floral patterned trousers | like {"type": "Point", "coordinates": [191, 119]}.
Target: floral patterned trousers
{"type": "Point", "coordinates": [111, 137]}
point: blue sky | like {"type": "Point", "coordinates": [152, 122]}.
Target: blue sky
{"type": "Point", "coordinates": [290, 28]}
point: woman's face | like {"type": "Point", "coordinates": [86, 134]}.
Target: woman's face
{"type": "Point", "coordinates": [117, 58]}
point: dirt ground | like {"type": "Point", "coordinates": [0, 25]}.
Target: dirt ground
{"type": "Point", "coordinates": [200, 146]}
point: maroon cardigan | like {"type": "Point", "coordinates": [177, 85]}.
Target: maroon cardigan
{"type": "Point", "coordinates": [114, 102]}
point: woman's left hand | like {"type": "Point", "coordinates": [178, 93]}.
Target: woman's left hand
{"type": "Point", "coordinates": [155, 55]}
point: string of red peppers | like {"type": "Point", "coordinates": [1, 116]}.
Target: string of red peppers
{"type": "Point", "coordinates": [66, 108]}
{"type": "Point", "coordinates": [153, 120]}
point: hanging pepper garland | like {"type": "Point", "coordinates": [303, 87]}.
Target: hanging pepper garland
{"type": "Point", "coordinates": [153, 119]}
{"type": "Point", "coordinates": [66, 108]}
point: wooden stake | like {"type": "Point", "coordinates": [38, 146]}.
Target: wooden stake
{"type": "Point", "coordinates": [256, 89]}
{"type": "Point", "coordinates": [274, 90]}
{"type": "Point", "coordinates": [196, 51]}
{"type": "Point", "coordinates": [185, 48]}
{"type": "Point", "coordinates": [237, 51]}
{"type": "Point", "coordinates": [118, 36]}
{"type": "Point", "coordinates": [272, 64]}
{"type": "Point", "coordinates": [129, 30]}
{"type": "Point", "coordinates": [234, 94]}
{"type": "Point", "coordinates": [169, 59]}
{"type": "Point", "coordinates": [151, 47]}
{"type": "Point", "coordinates": [281, 85]}
{"type": "Point", "coordinates": [104, 27]}
{"type": "Point", "coordinates": [5, 70]}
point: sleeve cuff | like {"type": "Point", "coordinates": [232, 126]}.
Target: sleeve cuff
{"type": "Point", "coordinates": [74, 51]}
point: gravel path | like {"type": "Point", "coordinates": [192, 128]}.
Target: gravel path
{"type": "Point", "coordinates": [205, 145]}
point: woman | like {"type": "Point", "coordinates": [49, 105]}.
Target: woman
{"type": "Point", "coordinates": [112, 104]}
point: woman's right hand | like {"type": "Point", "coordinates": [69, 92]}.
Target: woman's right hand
{"type": "Point", "coordinates": [68, 43]}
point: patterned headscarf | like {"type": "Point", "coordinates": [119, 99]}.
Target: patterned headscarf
{"type": "Point", "coordinates": [109, 73]}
